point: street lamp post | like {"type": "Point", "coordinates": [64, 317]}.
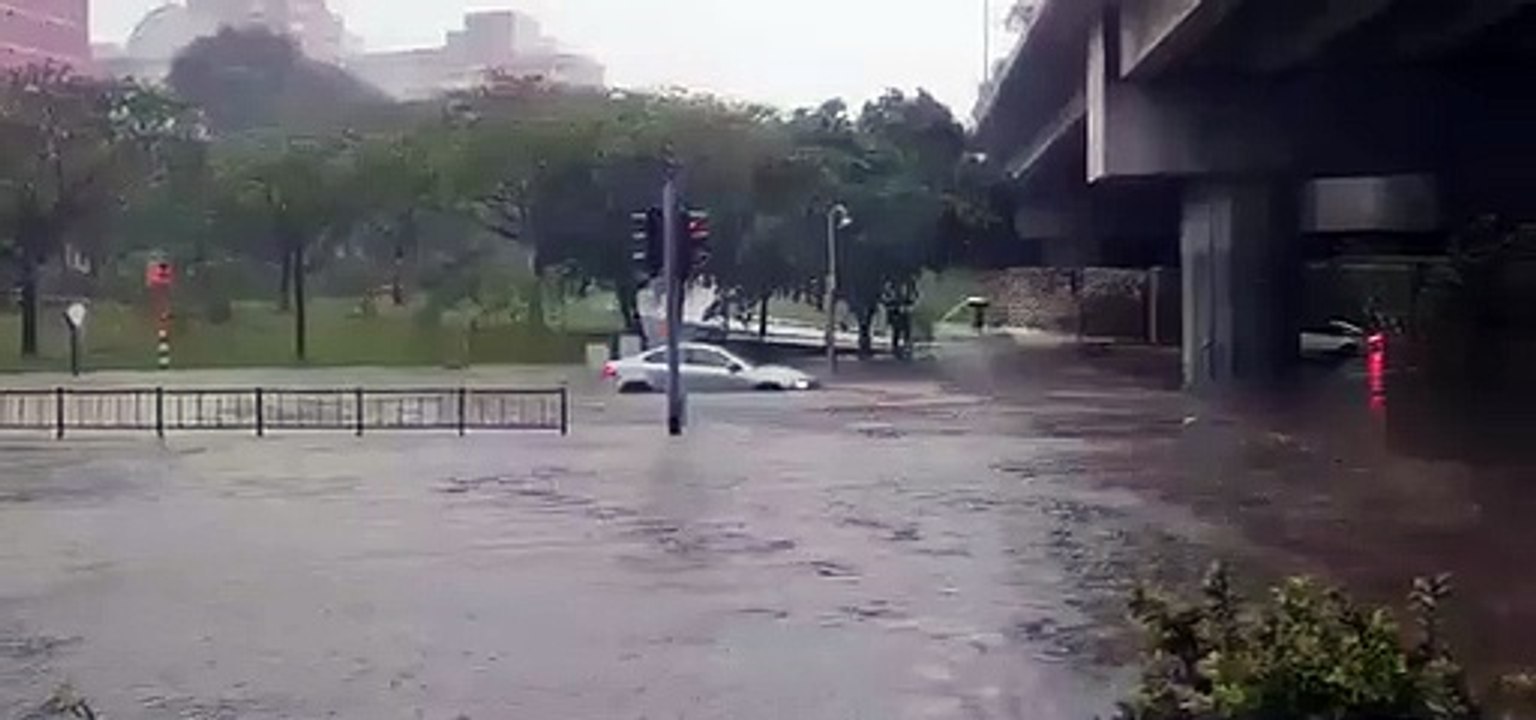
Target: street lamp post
{"type": "Point", "coordinates": [986, 43]}
{"type": "Point", "coordinates": [837, 219]}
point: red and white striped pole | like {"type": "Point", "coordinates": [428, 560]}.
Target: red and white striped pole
{"type": "Point", "coordinates": [163, 347]}
{"type": "Point", "coordinates": [160, 276]}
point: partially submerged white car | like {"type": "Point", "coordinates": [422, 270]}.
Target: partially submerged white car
{"type": "Point", "coordinates": [705, 368]}
{"type": "Point", "coordinates": [1339, 339]}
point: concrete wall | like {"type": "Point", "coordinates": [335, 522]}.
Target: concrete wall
{"type": "Point", "coordinates": [1241, 277]}
{"type": "Point", "coordinates": [1143, 130]}
{"type": "Point", "coordinates": [1036, 298]}
{"type": "Point", "coordinates": [1348, 289]}
{"type": "Point", "coordinates": [1100, 302]}
{"type": "Point", "coordinates": [1115, 300]}
{"type": "Point", "coordinates": [1403, 289]}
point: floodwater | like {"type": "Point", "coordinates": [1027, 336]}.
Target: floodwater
{"type": "Point", "coordinates": [953, 541]}
{"type": "Point", "coordinates": [1361, 473]}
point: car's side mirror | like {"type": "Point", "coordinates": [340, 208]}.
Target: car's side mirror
{"type": "Point", "coordinates": [736, 368]}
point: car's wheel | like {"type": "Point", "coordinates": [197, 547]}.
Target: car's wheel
{"type": "Point", "coordinates": [769, 387]}
{"type": "Point", "coordinates": [634, 387]}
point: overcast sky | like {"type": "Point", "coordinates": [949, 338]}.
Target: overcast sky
{"type": "Point", "coordinates": [787, 52]}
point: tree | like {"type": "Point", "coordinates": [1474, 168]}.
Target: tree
{"type": "Point", "coordinates": [920, 131]}
{"type": "Point", "coordinates": [895, 168]}
{"type": "Point", "coordinates": [532, 184]}
{"type": "Point", "coordinates": [1022, 15]}
{"type": "Point", "coordinates": [559, 173]}
{"type": "Point", "coordinates": [297, 198]}
{"type": "Point", "coordinates": [251, 78]}
{"type": "Point", "coordinates": [781, 249]}
{"type": "Point", "coordinates": [74, 150]}
{"type": "Point", "coordinates": [404, 185]}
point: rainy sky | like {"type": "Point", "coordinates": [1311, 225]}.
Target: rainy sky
{"type": "Point", "coordinates": [785, 52]}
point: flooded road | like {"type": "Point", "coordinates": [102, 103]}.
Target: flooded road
{"type": "Point", "coordinates": [950, 542]}
{"type": "Point", "coordinates": [1358, 472]}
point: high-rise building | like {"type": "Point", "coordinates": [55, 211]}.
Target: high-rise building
{"type": "Point", "coordinates": [494, 45]}
{"type": "Point", "coordinates": [322, 33]}
{"type": "Point", "coordinates": [45, 31]}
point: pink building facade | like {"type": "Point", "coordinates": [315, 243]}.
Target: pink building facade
{"type": "Point", "coordinates": [43, 31]}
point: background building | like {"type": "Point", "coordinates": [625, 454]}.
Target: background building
{"type": "Point", "coordinates": [165, 31]}
{"type": "Point", "coordinates": [497, 43]}
{"type": "Point", "coordinates": [45, 31]}
{"type": "Point", "coordinates": [503, 44]}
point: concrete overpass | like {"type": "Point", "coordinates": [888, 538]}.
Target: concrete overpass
{"type": "Point", "coordinates": [1221, 134]}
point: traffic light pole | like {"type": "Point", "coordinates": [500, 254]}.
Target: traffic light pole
{"type": "Point", "coordinates": [830, 299]}
{"type": "Point", "coordinates": [676, 399]}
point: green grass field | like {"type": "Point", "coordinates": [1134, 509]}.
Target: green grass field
{"type": "Point", "coordinates": [120, 337]}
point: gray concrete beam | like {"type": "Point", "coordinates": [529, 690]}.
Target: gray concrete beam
{"type": "Point", "coordinates": [1068, 121]}
{"type": "Point", "coordinates": [1474, 17]}
{"type": "Point", "coordinates": [1408, 203]}
{"type": "Point", "coordinates": [1163, 130]}
{"type": "Point", "coordinates": [1318, 123]}
{"type": "Point", "coordinates": [1283, 51]}
{"type": "Point", "coordinates": [1155, 34]}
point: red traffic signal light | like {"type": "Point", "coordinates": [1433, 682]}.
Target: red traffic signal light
{"type": "Point", "coordinates": [698, 225]}
{"type": "Point", "coordinates": [694, 252]}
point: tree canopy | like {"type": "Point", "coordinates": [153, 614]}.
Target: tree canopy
{"type": "Point", "coordinates": [284, 165]}
{"type": "Point", "coordinates": [250, 78]}
{"type": "Point", "coordinates": [73, 152]}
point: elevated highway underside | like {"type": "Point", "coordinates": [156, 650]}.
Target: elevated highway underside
{"type": "Point", "coordinates": [1230, 134]}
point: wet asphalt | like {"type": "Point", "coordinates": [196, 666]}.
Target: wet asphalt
{"type": "Point", "coordinates": [954, 540]}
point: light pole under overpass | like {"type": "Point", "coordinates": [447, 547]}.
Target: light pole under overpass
{"type": "Point", "coordinates": [838, 218]}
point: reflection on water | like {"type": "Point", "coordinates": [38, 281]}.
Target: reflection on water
{"type": "Point", "coordinates": [1442, 484]}
{"type": "Point", "coordinates": [1368, 474]}
{"type": "Point", "coordinates": [1485, 421]}
{"type": "Point", "coordinates": [1376, 376]}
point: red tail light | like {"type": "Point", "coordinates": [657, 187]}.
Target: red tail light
{"type": "Point", "coordinates": [610, 372]}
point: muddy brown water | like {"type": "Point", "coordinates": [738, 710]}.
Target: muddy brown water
{"type": "Point", "coordinates": [1363, 472]}
{"type": "Point", "coordinates": [951, 540]}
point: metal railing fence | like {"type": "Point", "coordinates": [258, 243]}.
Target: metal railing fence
{"type": "Point", "coordinates": [263, 410]}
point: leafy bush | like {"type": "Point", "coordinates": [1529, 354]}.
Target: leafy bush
{"type": "Point", "coordinates": [1306, 652]}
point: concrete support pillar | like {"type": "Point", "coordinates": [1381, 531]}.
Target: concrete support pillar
{"type": "Point", "coordinates": [1241, 276]}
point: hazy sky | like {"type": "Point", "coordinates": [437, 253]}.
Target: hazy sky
{"type": "Point", "coordinates": [788, 52]}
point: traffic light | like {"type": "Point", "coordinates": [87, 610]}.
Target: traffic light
{"type": "Point", "coordinates": [647, 250]}
{"type": "Point", "coordinates": [695, 248]}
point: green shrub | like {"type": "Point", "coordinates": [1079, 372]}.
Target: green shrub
{"type": "Point", "coordinates": [1306, 652]}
